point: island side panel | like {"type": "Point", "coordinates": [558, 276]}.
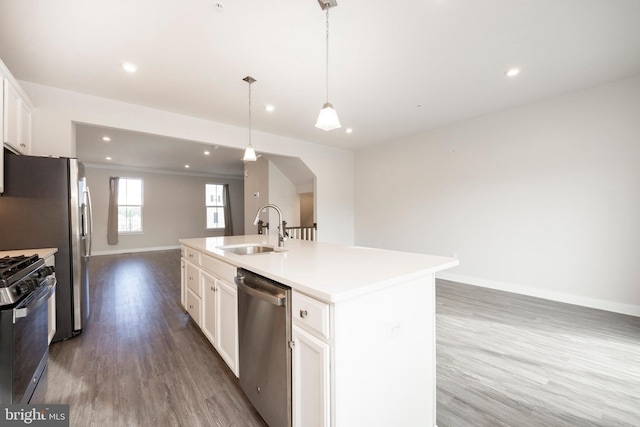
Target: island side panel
{"type": "Point", "coordinates": [384, 366]}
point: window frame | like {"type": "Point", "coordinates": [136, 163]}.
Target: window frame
{"type": "Point", "coordinates": [207, 206]}
{"type": "Point", "coordinates": [141, 206]}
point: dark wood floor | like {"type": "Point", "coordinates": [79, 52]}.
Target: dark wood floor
{"type": "Point", "coordinates": [503, 359]}
{"type": "Point", "coordinates": [141, 361]}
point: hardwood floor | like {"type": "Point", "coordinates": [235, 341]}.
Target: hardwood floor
{"type": "Point", "coordinates": [141, 361]}
{"type": "Point", "coordinates": [510, 360]}
{"type": "Point", "coordinates": [502, 359]}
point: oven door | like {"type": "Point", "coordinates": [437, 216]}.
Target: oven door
{"type": "Point", "coordinates": [31, 343]}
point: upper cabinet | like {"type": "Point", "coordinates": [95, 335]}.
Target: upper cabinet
{"type": "Point", "coordinates": [15, 114]}
{"type": "Point", "coordinates": [16, 119]}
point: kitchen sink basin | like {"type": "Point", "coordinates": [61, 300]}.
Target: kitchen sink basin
{"type": "Point", "coordinates": [249, 249]}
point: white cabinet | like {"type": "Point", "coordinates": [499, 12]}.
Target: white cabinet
{"type": "Point", "coordinates": [25, 128]}
{"type": "Point", "coordinates": [193, 278]}
{"type": "Point", "coordinates": [12, 111]}
{"type": "Point", "coordinates": [193, 306]}
{"type": "Point", "coordinates": [193, 294]}
{"type": "Point", "coordinates": [220, 318]}
{"type": "Point", "coordinates": [311, 361]}
{"type": "Point", "coordinates": [311, 380]}
{"type": "Point", "coordinates": [16, 119]}
{"type": "Point", "coordinates": [209, 307]}
{"type": "Point", "coordinates": [183, 284]}
{"type": "Point", "coordinates": [212, 301]}
{"type": "Point", "coordinates": [227, 323]}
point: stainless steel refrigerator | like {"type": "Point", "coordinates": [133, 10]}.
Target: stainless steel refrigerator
{"type": "Point", "coordinates": [46, 203]}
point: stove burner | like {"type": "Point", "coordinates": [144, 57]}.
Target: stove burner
{"type": "Point", "coordinates": [19, 276]}
{"type": "Point", "coordinates": [15, 268]}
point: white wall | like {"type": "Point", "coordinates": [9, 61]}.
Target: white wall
{"type": "Point", "coordinates": [174, 208]}
{"type": "Point", "coordinates": [542, 200]}
{"type": "Point", "coordinates": [256, 192]}
{"type": "Point", "coordinates": [57, 110]}
{"type": "Point", "coordinates": [283, 193]}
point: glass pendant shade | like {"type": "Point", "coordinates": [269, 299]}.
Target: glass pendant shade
{"type": "Point", "coordinates": [328, 118]}
{"type": "Point", "coordinates": [249, 154]}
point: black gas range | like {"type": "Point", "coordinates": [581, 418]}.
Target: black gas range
{"type": "Point", "coordinates": [26, 284]}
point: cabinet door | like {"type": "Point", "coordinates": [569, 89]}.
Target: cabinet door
{"type": "Point", "coordinates": [183, 283]}
{"type": "Point", "coordinates": [25, 128]}
{"type": "Point", "coordinates": [227, 327]}
{"type": "Point", "coordinates": [11, 115]}
{"type": "Point", "coordinates": [209, 310]}
{"type": "Point", "coordinates": [193, 307]}
{"type": "Point", "coordinates": [311, 380]}
{"type": "Point", "coordinates": [193, 278]}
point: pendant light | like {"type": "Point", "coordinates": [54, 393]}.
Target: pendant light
{"type": "Point", "coordinates": [328, 118]}
{"type": "Point", "coordinates": [249, 152]}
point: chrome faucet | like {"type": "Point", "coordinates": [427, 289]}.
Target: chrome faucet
{"type": "Point", "coordinates": [281, 237]}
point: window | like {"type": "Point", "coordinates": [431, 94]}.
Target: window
{"type": "Point", "coordinates": [214, 205]}
{"type": "Point", "coordinates": [130, 205]}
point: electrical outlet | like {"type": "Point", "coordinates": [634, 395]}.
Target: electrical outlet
{"type": "Point", "coordinates": [256, 195]}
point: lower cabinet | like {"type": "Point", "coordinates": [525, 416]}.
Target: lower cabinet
{"type": "Point", "coordinates": [183, 287]}
{"type": "Point", "coordinates": [227, 324]}
{"type": "Point", "coordinates": [215, 308]}
{"type": "Point", "coordinates": [220, 318]}
{"type": "Point", "coordinates": [193, 307]}
{"type": "Point", "coordinates": [311, 380]}
{"type": "Point", "coordinates": [209, 304]}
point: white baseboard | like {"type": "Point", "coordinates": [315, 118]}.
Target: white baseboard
{"type": "Point", "coordinates": [135, 250]}
{"type": "Point", "coordinates": [632, 310]}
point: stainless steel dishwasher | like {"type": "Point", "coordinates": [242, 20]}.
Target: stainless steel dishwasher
{"type": "Point", "coordinates": [264, 322]}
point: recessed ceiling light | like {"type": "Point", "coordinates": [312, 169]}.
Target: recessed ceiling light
{"type": "Point", "coordinates": [349, 130]}
{"type": "Point", "coordinates": [269, 107]}
{"type": "Point", "coordinates": [512, 72]}
{"type": "Point", "coordinates": [106, 139]}
{"type": "Point", "coordinates": [186, 166]}
{"type": "Point", "coordinates": [107, 158]}
{"type": "Point", "coordinates": [206, 153]}
{"type": "Point", "coordinates": [129, 67]}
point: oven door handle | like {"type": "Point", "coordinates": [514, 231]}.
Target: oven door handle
{"type": "Point", "coordinates": [43, 295]}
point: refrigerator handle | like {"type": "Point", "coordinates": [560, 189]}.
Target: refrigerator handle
{"type": "Point", "coordinates": [89, 223]}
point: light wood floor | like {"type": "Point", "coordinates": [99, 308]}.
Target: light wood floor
{"type": "Point", "coordinates": [511, 360]}
{"type": "Point", "coordinates": [503, 359]}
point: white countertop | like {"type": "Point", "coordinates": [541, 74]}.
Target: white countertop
{"type": "Point", "coordinates": [41, 252]}
{"type": "Point", "coordinates": [328, 272]}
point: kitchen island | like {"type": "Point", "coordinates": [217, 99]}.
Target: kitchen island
{"type": "Point", "coordinates": [363, 324]}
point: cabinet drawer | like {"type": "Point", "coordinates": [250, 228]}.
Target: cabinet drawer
{"type": "Point", "coordinates": [192, 255]}
{"type": "Point", "coordinates": [219, 268]}
{"type": "Point", "coordinates": [193, 307]}
{"type": "Point", "coordinates": [311, 313]}
{"type": "Point", "coordinates": [193, 278]}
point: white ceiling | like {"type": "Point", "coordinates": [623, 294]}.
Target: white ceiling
{"type": "Point", "coordinates": [397, 68]}
{"type": "Point", "coordinates": [144, 151]}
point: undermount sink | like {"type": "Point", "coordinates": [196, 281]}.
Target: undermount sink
{"type": "Point", "coordinates": [249, 249]}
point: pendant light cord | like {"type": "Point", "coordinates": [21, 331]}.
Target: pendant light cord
{"type": "Point", "coordinates": [249, 113]}
{"type": "Point", "coordinates": [327, 53]}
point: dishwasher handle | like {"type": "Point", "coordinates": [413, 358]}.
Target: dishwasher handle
{"type": "Point", "coordinates": [274, 298]}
